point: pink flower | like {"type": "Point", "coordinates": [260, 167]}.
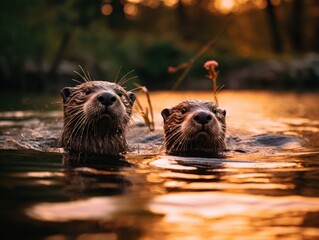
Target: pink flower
{"type": "Point", "coordinates": [211, 64]}
{"type": "Point", "coordinates": [171, 70]}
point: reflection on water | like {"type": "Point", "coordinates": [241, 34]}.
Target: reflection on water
{"type": "Point", "coordinates": [266, 187]}
{"type": "Point", "coordinates": [235, 216]}
{"type": "Point", "coordinates": [89, 209]}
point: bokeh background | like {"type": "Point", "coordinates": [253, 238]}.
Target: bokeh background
{"type": "Point", "coordinates": [264, 44]}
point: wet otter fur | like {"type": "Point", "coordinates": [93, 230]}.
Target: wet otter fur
{"type": "Point", "coordinates": [194, 128]}
{"type": "Point", "coordinates": [96, 114]}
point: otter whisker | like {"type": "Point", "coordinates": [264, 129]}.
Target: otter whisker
{"type": "Point", "coordinates": [127, 80]}
{"type": "Point", "coordinates": [176, 140]}
{"type": "Point", "coordinates": [88, 73]}
{"type": "Point", "coordinates": [118, 73]}
{"type": "Point", "coordinates": [77, 129]}
{"type": "Point", "coordinates": [183, 144]}
{"type": "Point", "coordinates": [84, 128]}
{"type": "Point", "coordinates": [87, 132]}
{"type": "Point", "coordinates": [137, 88]}
{"type": "Point", "coordinates": [124, 77]}
{"type": "Point", "coordinates": [85, 75]}
{"type": "Point", "coordinates": [173, 139]}
{"type": "Point", "coordinates": [81, 121]}
{"type": "Point", "coordinates": [74, 120]}
{"type": "Point", "coordinates": [185, 141]}
{"type": "Point", "coordinates": [77, 81]}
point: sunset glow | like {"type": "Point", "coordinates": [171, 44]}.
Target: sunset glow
{"type": "Point", "coordinates": [134, 1]}
{"type": "Point", "coordinates": [170, 3]}
{"type": "Point", "coordinates": [131, 9]}
{"type": "Point", "coordinates": [107, 9]}
{"type": "Point", "coordinates": [225, 6]}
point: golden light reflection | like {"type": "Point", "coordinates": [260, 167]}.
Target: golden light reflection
{"type": "Point", "coordinates": [189, 163]}
{"type": "Point", "coordinates": [261, 4]}
{"type": "Point", "coordinates": [7, 123]}
{"type": "Point", "coordinates": [93, 171]}
{"type": "Point", "coordinates": [130, 9]}
{"type": "Point", "coordinates": [154, 178]}
{"type": "Point", "coordinates": [228, 6]}
{"type": "Point", "coordinates": [30, 114]}
{"type": "Point", "coordinates": [299, 121]}
{"type": "Point", "coordinates": [215, 215]}
{"type": "Point", "coordinates": [186, 175]}
{"type": "Point", "coordinates": [189, 2]}
{"type": "Point", "coordinates": [218, 204]}
{"type": "Point", "coordinates": [151, 3]}
{"type": "Point", "coordinates": [225, 6]}
{"type": "Point", "coordinates": [107, 9]}
{"type": "Point", "coordinates": [221, 6]}
{"type": "Point", "coordinates": [170, 164]}
{"type": "Point", "coordinates": [45, 182]}
{"type": "Point", "coordinates": [44, 174]}
{"type": "Point", "coordinates": [223, 186]}
{"type": "Point", "coordinates": [88, 209]}
{"type": "Point", "coordinates": [134, 1]}
{"type": "Point", "coordinates": [250, 177]}
{"type": "Point", "coordinates": [171, 3]}
{"type": "Point", "coordinates": [175, 184]}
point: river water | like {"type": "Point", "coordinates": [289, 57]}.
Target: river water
{"type": "Point", "coordinates": [266, 187]}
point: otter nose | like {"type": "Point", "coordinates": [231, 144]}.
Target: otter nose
{"type": "Point", "coordinates": [202, 118]}
{"type": "Point", "coordinates": [106, 98]}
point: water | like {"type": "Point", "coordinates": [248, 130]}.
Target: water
{"type": "Point", "coordinates": [265, 188]}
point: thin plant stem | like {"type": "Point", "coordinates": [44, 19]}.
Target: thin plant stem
{"type": "Point", "coordinates": [188, 65]}
{"type": "Point", "coordinates": [149, 122]}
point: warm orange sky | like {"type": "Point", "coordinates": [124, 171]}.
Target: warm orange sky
{"type": "Point", "coordinates": [222, 6]}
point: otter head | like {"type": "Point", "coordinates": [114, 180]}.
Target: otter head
{"type": "Point", "coordinates": [96, 114]}
{"type": "Point", "coordinates": [194, 128]}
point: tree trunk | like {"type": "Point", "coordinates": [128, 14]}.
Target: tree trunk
{"type": "Point", "coordinates": [314, 46]}
{"type": "Point", "coordinates": [296, 25]}
{"type": "Point", "coordinates": [59, 55]}
{"type": "Point", "coordinates": [274, 27]}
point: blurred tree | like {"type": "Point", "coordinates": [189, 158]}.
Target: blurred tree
{"type": "Point", "coordinates": [37, 35]}
{"type": "Point", "coordinates": [274, 27]}
{"type": "Point", "coordinates": [117, 19]}
{"type": "Point", "coordinates": [315, 30]}
{"type": "Point", "coordinates": [21, 36]}
{"type": "Point", "coordinates": [297, 25]}
{"type": "Point", "coordinates": [73, 14]}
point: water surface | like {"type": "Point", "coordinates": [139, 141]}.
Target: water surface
{"type": "Point", "coordinates": [265, 188]}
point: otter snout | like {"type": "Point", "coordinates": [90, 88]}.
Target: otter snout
{"type": "Point", "coordinates": [202, 118]}
{"type": "Point", "coordinates": [106, 98]}
{"type": "Point", "coordinates": [194, 128]}
{"type": "Point", "coordinates": [96, 116]}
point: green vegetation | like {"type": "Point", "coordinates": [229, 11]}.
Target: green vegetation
{"type": "Point", "coordinates": [42, 42]}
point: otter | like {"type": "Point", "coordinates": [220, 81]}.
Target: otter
{"type": "Point", "coordinates": [96, 115]}
{"type": "Point", "coordinates": [194, 128]}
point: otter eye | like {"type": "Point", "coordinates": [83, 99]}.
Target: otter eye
{"type": "Point", "coordinates": [184, 110]}
{"type": "Point", "coordinates": [88, 91]}
{"type": "Point", "coordinates": [214, 110]}
{"type": "Point", "coordinates": [120, 94]}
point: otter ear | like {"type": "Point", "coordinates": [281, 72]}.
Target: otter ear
{"type": "Point", "coordinates": [132, 97]}
{"type": "Point", "coordinates": [165, 113]}
{"type": "Point", "coordinates": [65, 93]}
{"type": "Point", "coordinates": [224, 112]}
